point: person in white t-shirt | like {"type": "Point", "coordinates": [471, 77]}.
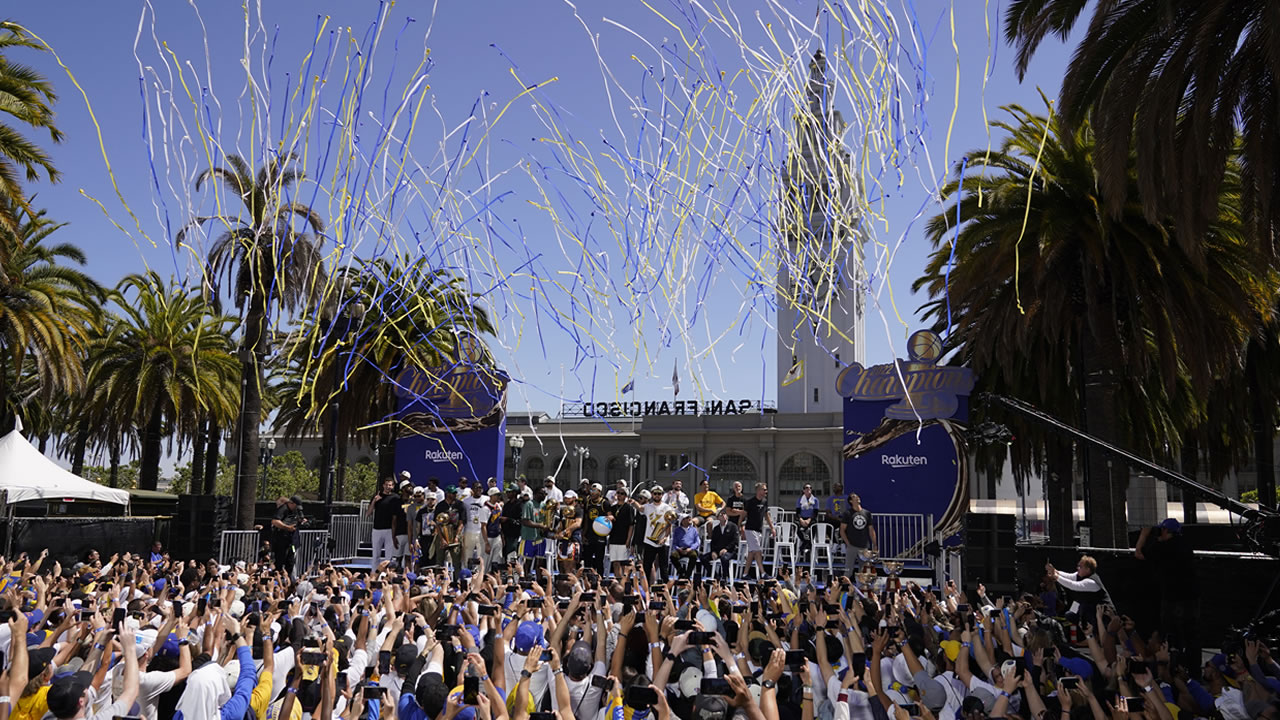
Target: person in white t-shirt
{"type": "Point", "coordinates": [554, 494]}
{"type": "Point", "coordinates": [676, 498]}
{"type": "Point", "coordinates": [477, 516]}
{"type": "Point", "coordinates": [659, 519]}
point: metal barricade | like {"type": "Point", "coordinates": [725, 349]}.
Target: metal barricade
{"type": "Point", "coordinates": [347, 535]}
{"type": "Point", "coordinates": [237, 545]}
{"type": "Point", "coordinates": [904, 536]}
{"type": "Point", "coordinates": [311, 550]}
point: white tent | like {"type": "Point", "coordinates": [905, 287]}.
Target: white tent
{"type": "Point", "coordinates": [26, 474]}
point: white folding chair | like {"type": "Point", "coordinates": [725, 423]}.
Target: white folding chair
{"type": "Point", "coordinates": [736, 564]}
{"type": "Point", "coordinates": [775, 514]}
{"type": "Point", "coordinates": [820, 544]}
{"type": "Point", "coordinates": [786, 541]}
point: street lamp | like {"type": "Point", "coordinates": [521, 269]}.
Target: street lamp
{"type": "Point", "coordinates": [339, 328]}
{"type": "Point", "coordinates": [517, 445]}
{"type": "Point", "coordinates": [582, 454]}
{"type": "Point", "coordinates": [265, 453]}
{"type": "Point", "coordinates": [632, 461]}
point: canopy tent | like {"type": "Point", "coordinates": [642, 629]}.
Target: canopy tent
{"type": "Point", "coordinates": [26, 474]}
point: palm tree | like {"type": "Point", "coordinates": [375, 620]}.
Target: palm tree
{"type": "Point", "coordinates": [270, 265]}
{"type": "Point", "coordinates": [1178, 79]}
{"type": "Point", "coordinates": [1088, 315]}
{"type": "Point", "coordinates": [26, 97]}
{"type": "Point", "coordinates": [47, 311]}
{"type": "Point", "coordinates": [163, 364]}
{"type": "Point", "coordinates": [409, 316]}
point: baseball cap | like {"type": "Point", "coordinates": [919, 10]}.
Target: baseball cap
{"type": "Point", "coordinates": [570, 495]}
{"type": "Point", "coordinates": [65, 693]}
{"type": "Point", "coordinates": [405, 474]}
{"type": "Point", "coordinates": [494, 491]}
{"type": "Point", "coordinates": [1172, 525]}
{"type": "Point", "coordinates": [549, 480]}
{"type": "Point", "coordinates": [296, 500]}
{"type": "Point", "coordinates": [419, 490]}
{"type": "Point", "coordinates": [1077, 666]}
{"type": "Point", "coordinates": [577, 664]}
{"type": "Point", "coordinates": [643, 494]}
{"type": "Point", "coordinates": [527, 635]}
{"type": "Point", "coordinates": [451, 490]}
{"type": "Point", "coordinates": [404, 484]}
{"type": "Point", "coordinates": [597, 487]}
{"type": "Point", "coordinates": [710, 707]}
{"type": "Point", "coordinates": [38, 660]}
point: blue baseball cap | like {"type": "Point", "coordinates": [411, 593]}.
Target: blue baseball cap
{"type": "Point", "coordinates": [1171, 525]}
{"type": "Point", "coordinates": [528, 635]}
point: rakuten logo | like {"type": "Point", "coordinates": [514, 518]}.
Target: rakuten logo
{"type": "Point", "coordinates": [903, 461]}
{"type": "Point", "coordinates": [443, 455]}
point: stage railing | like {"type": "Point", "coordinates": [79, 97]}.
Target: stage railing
{"type": "Point", "coordinates": [237, 545]}
{"type": "Point", "coordinates": [349, 531]}
{"type": "Point", "coordinates": [903, 536]}
{"type": "Point", "coordinates": [311, 551]}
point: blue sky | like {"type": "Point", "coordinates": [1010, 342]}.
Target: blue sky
{"type": "Point", "coordinates": [482, 54]}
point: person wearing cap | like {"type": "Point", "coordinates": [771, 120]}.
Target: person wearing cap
{"type": "Point", "coordinates": [623, 516]}
{"type": "Point", "coordinates": [612, 496]}
{"type": "Point", "coordinates": [412, 515]}
{"type": "Point", "coordinates": [69, 697]}
{"type": "Point", "coordinates": [594, 546]}
{"type": "Point", "coordinates": [403, 549]}
{"type": "Point", "coordinates": [568, 525]}
{"type": "Point", "coordinates": [660, 518]}
{"type": "Point", "coordinates": [284, 528]}
{"type": "Point", "coordinates": [554, 494]}
{"type": "Point", "coordinates": [386, 510]}
{"type": "Point", "coordinates": [493, 528]}
{"type": "Point", "coordinates": [512, 522]}
{"type": "Point", "coordinates": [476, 508]}
{"type": "Point", "coordinates": [1172, 561]}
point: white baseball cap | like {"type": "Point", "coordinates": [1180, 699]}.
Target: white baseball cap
{"type": "Point", "coordinates": [569, 494]}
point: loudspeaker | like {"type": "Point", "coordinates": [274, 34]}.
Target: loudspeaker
{"type": "Point", "coordinates": [990, 542]}
{"type": "Point", "coordinates": [198, 525]}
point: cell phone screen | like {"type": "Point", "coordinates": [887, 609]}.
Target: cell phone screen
{"type": "Point", "coordinates": [373, 692]}
{"type": "Point", "coordinates": [1069, 683]}
{"type": "Point", "coordinates": [700, 637]}
{"type": "Point", "coordinates": [601, 682]}
{"type": "Point", "coordinates": [117, 618]}
{"type": "Point", "coordinates": [384, 662]}
{"type": "Point", "coordinates": [716, 686]}
{"type": "Point", "coordinates": [795, 658]}
{"type": "Point", "coordinates": [471, 690]}
{"type": "Point", "coordinates": [640, 698]}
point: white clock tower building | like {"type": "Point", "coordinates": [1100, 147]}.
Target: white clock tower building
{"type": "Point", "coordinates": [821, 281]}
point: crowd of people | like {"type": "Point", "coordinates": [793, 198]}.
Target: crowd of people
{"type": "Point", "coordinates": [462, 616]}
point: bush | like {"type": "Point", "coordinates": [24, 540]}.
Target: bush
{"type": "Point", "coordinates": [1251, 496]}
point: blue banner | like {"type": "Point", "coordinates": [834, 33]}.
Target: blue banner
{"type": "Point", "coordinates": [451, 424]}
{"type": "Point", "coordinates": [903, 449]}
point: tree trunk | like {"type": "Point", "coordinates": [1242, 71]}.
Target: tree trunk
{"type": "Point", "coordinates": [197, 457]}
{"type": "Point", "coordinates": [42, 443]}
{"type": "Point", "coordinates": [1263, 425]}
{"type": "Point", "coordinates": [1190, 463]}
{"type": "Point", "coordinates": [113, 478]}
{"type": "Point", "coordinates": [1108, 475]}
{"type": "Point", "coordinates": [152, 448]}
{"type": "Point", "coordinates": [249, 441]}
{"type": "Point", "coordinates": [211, 455]}
{"type": "Point", "coordinates": [1060, 498]}
{"type": "Point", "coordinates": [79, 446]}
{"type": "Point", "coordinates": [340, 476]}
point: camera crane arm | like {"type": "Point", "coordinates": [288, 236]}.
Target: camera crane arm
{"type": "Point", "coordinates": [1251, 514]}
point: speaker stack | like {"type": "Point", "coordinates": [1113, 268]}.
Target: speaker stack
{"type": "Point", "coordinates": [198, 526]}
{"type": "Point", "coordinates": [990, 543]}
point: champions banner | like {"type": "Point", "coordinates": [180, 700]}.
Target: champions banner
{"type": "Point", "coordinates": [903, 451]}
{"type": "Point", "coordinates": [451, 423]}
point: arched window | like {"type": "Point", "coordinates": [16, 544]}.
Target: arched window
{"type": "Point", "coordinates": [614, 470]}
{"type": "Point", "coordinates": [730, 467]}
{"type": "Point", "coordinates": [535, 469]}
{"type": "Point", "coordinates": [590, 471]}
{"type": "Point", "coordinates": [801, 469]}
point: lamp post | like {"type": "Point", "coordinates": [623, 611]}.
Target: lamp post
{"type": "Point", "coordinates": [349, 316]}
{"type": "Point", "coordinates": [517, 445]}
{"type": "Point", "coordinates": [582, 454]}
{"type": "Point", "coordinates": [264, 461]}
{"type": "Point", "coordinates": [632, 461]}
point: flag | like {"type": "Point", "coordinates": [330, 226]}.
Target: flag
{"type": "Point", "coordinates": [675, 378]}
{"type": "Point", "coordinates": [795, 373]}
{"type": "Point", "coordinates": [629, 387]}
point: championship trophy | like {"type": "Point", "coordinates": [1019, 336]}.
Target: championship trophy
{"type": "Point", "coordinates": [893, 568]}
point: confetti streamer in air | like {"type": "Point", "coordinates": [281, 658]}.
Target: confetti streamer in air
{"type": "Point", "coordinates": [747, 165]}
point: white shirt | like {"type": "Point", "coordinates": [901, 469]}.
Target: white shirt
{"type": "Point", "coordinates": [658, 518]}
{"type": "Point", "coordinates": [477, 513]}
{"type": "Point", "coordinates": [150, 686]}
{"type": "Point", "coordinates": [555, 494]}
{"type": "Point", "coordinates": [677, 500]}
{"type": "Point", "coordinates": [438, 494]}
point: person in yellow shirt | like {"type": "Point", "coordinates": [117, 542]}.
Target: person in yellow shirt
{"type": "Point", "coordinates": [34, 702]}
{"type": "Point", "coordinates": [707, 501]}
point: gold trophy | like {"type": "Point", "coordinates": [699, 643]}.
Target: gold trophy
{"type": "Point", "coordinates": [867, 578]}
{"type": "Point", "coordinates": [892, 568]}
